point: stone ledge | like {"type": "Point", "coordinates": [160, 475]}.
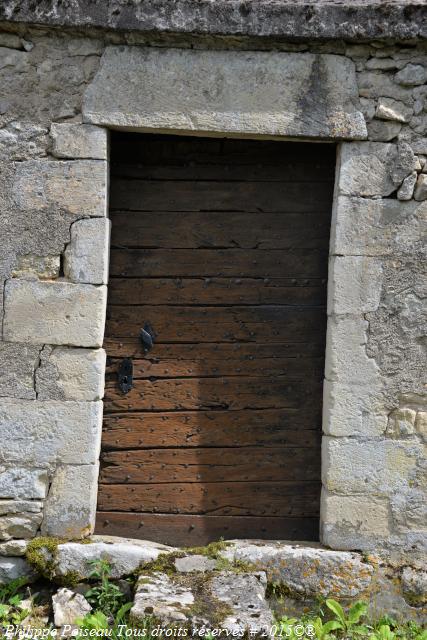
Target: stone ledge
{"type": "Point", "coordinates": [263, 18]}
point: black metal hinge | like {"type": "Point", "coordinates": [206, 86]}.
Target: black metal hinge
{"type": "Point", "coordinates": [125, 375]}
{"type": "Point", "coordinates": [148, 337]}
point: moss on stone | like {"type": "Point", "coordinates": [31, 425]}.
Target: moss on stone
{"type": "Point", "coordinates": [41, 555]}
{"type": "Point", "coordinates": [205, 606]}
{"type": "Point", "coordinates": [280, 590]}
{"type": "Point", "coordinates": [70, 579]}
{"type": "Point", "coordinates": [165, 563]}
{"type": "Point", "coordinates": [211, 550]}
{"type": "Point", "coordinates": [234, 566]}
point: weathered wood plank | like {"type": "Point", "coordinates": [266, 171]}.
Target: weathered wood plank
{"type": "Point", "coordinates": [210, 465]}
{"type": "Point", "coordinates": [190, 230]}
{"type": "Point", "coordinates": [208, 195]}
{"type": "Point", "coordinates": [132, 347]}
{"type": "Point", "coordinates": [188, 530]}
{"type": "Point", "coordinates": [234, 263]}
{"type": "Point", "coordinates": [244, 428]}
{"type": "Point", "coordinates": [219, 324]}
{"type": "Point", "coordinates": [213, 393]}
{"type": "Point", "coordinates": [237, 169]}
{"type": "Point", "coordinates": [163, 150]}
{"type": "Point", "coordinates": [197, 291]}
{"type": "Point", "coordinates": [294, 499]}
{"type": "Point", "coordinates": [183, 361]}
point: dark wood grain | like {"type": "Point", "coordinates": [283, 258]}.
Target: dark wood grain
{"type": "Point", "coordinates": [217, 359]}
{"type": "Point", "coordinates": [208, 195]}
{"type": "Point", "coordinates": [219, 324]}
{"type": "Point", "coordinates": [294, 499]}
{"type": "Point", "coordinates": [222, 246]}
{"type": "Point", "coordinates": [216, 291]}
{"type": "Point", "coordinates": [214, 393]}
{"type": "Point", "coordinates": [242, 428]}
{"type": "Point", "coordinates": [234, 263]}
{"type": "Point", "coordinates": [253, 464]}
{"type": "Point", "coordinates": [191, 530]}
{"type": "Point", "coordinates": [190, 230]}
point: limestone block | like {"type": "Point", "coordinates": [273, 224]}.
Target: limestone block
{"type": "Point", "coordinates": [407, 189]}
{"type": "Point", "coordinates": [414, 584]}
{"type": "Point", "coordinates": [14, 548]}
{"type": "Point", "coordinates": [196, 563]}
{"type": "Point", "coordinates": [401, 422]}
{"type": "Point", "coordinates": [19, 60]}
{"type": "Point", "coordinates": [244, 596]}
{"type": "Point", "coordinates": [17, 364]}
{"type": "Point", "coordinates": [20, 526]}
{"type": "Point", "coordinates": [354, 284]}
{"type": "Point", "coordinates": [374, 467]}
{"type": "Point", "coordinates": [40, 266]}
{"type": "Point", "coordinates": [79, 141]}
{"type": "Point", "coordinates": [67, 373]}
{"type": "Point", "coordinates": [54, 313]}
{"type": "Point", "coordinates": [86, 258]}
{"type": "Point", "coordinates": [419, 124]}
{"type": "Point", "coordinates": [8, 507]}
{"type": "Point", "coordinates": [68, 607]}
{"type": "Point", "coordinates": [342, 574]}
{"type": "Point", "coordinates": [411, 75]}
{"type": "Point", "coordinates": [364, 169]}
{"type": "Point", "coordinates": [350, 522]}
{"type": "Point", "coordinates": [346, 358]}
{"type": "Point", "coordinates": [237, 602]}
{"type": "Point", "coordinates": [78, 187]}
{"type": "Point", "coordinates": [382, 63]}
{"type": "Point", "coordinates": [419, 145]}
{"type": "Point", "coordinates": [353, 409]}
{"type": "Point", "coordinates": [70, 507]}
{"type": "Point", "coordinates": [124, 556]}
{"type": "Point", "coordinates": [382, 131]}
{"type": "Point", "coordinates": [421, 424]}
{"type": "Point", "coordinates": [263, 93]}
{"type": "Point", "coordinates": [361, 226]}
{"type": "Point", "coordinates": [48, 432]}
{"type": "Point", "coordinates": [404, 164]}
{"type": "Point", "coordinates": [409, 507]}
{"type": "Point", "coordinates": [374, 84]}
{"type": "Point", "coordinates": [22, 140]}
{"type": "Point", "coordinates": [19, 482]}
{"type": "Point", "coordinates": [421, 188]}
{"type": "Point", "coordinates": [13, 568]}
{"type": "Point", "coordinates": [158, 594]}
{"type": "Point", "coordinates": [389, 109]}
{"type": "Point", "coordinates": [10, 40]}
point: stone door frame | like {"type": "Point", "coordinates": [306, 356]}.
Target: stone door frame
{"type": "Point", "coordinates": [134, 91]}
{"type": "Point", "coordinates": [352, 284]}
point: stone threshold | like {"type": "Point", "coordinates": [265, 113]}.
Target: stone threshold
{"type": "Point", "coordinates": [238, 578]}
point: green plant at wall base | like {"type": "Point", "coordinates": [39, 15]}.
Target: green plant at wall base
{"type": "Point", "coordinates": [349, 623]}
{"type": "Point", "coordinates": [10, 599]}
{"type": "Point", "coordinates": [105, 596]}
{"type": "Point", "coordinates": [98, 624]}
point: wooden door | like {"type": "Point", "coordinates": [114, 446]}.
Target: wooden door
{"type": "Point", "coordinates": [221, 245]}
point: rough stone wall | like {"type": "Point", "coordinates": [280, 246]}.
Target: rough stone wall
{"type": "Point", "coordinates": [53, 176]}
